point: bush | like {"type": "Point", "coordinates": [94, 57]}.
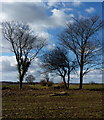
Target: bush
{"type": "Point", "coordinates": [43, 83]}
{"type": "Point", "coordinates": [57, 87]}
{"type": "Point", "coordinates": [30, 79]}
{"type": "Point", "coordinates": [62, 85]}
{"type": "Point", "coordinates": [92, 82]}
{"type": "Point", "coordinates": [49, 83]}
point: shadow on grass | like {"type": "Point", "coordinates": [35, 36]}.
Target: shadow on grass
{"type": "Point", "coordinates": [53, 119]}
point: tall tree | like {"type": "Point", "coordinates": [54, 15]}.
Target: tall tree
{"type": "Point", "coordinates": [25, 45]}
{"type": "Point", "coordinates": [80, 37]}
{"type": "Point", "coordinates": [57, 60]}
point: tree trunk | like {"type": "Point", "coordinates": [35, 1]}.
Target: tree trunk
{"type": "Point", "coordinates": [81, 77]}
{"type": "Point", "coordinates": [68, 76]}
{"type": "Point", "coordinates": [68, 80]}
{"type": "Point", "coordinates": [21, 75]}
{"type": "Point", "coordinates": [20, 83]}
{"type": "Point", "coordinates": [65, 82]}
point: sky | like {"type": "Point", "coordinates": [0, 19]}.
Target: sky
{"type": "Point", "coordinates": [47, 19]}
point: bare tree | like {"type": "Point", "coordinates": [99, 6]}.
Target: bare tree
{"type": "Point", "coordinates": [46, 76]}
{"type": "Point", "coordinates": [30, 79]}
{"type": "Point", "coordinates": [80, 37]}
{"type": "Point", "coordinates": [25, 45]}
{"type": "Point", "coordinates": [57, 60]}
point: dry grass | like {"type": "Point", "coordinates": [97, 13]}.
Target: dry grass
{"type": "Point", "coordinates": [37, 104]}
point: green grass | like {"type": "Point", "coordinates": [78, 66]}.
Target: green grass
{"type": "Point", "coordinates": [38, 104]}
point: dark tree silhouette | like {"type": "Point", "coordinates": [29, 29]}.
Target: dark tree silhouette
{"type": "Point", "coordinates": [57, 60]}
{"type": "Point", "coordinates": [30, 79]}
{"type": "Point", "coordinates": [25, 45]}
{"type": "Point", "coordinates": [46, 76]}
{"type": "Point", "coordinates": [80, 37]}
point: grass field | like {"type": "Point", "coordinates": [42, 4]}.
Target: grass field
{"type": "Point", "coordinates": [37, 103]}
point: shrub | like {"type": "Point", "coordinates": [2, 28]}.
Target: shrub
{"type": "Point", "coordinates": [30, 79]}
{"type": "Point", "coordinates": [49, 83]}
{"type": "Point", "coordinates": [91, 82]}
{"type": "Point", "coordinates": [43, 82]}
{"type": "Point", "coordinates": [57, 87]}
{"type": "Point", "coordinates": [62, 85]}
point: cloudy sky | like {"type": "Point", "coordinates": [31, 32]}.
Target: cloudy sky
{"type": "Point", "coordinates": [47, 19]}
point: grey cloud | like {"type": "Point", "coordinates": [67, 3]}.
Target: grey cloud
{"type": "Point", "coordinates": [9, 76]}
{"type": "Point", "coordinates": [8, 71]}
{"type": "Point", "coordinates": [28, 12]}
{"type": "Point", "coordinates": [7, 67]}
{"type": "Point", "coordinates": [36, 14]}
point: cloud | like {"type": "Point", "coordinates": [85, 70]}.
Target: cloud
{"type": "Point", "coordinates": [76, 3]}
{"type": "Point", "coordinates": [50, 4]}
{"type": "Point", "coordinates": [9, 70]}
{"type": "Point", "coordinates": [51, 46]}
{"type": "Point", "coordinates": [31, 13]}
{"type": "Point", "coordinates": [67, 9]}
{"type": "Point", "coordinates": [12, 1]}
{"type": "Point", "coordinates": [38, 16]}
{"type": "Point", "coordinates": [94, 75]}
{"type": "Point", "coordinates": [57, 16]}
{"type": "Point", "coordinates": [5, 46]}
{"type": "Point", "coordinates": [9, 1]}
{"type": "Point", "coordinates": [35, 14]}
{"type": "Point", "coordinates": [8, 63]}
{"type": "Point", "coordinates": [90, 10]}
{"type": "Point", "coordinates": [60, 18]}
{"type": "Point", "coordinates": [81, 16]}
{"type": "Point", "coordinates": [27, 12]}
